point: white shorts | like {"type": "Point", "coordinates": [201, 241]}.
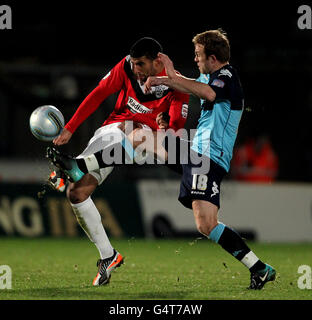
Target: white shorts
{"type": "Point", "coordinates": [97, 143]}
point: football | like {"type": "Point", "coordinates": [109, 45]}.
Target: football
{"type": "Point", "coordinates": [46, 123]}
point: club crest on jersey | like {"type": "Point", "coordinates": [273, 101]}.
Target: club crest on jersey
{"type": "Point", "coordinates": [159, 90]}
{"type": "Point", "coordinates": [218, 83]}
{"type": "Point", "coordinates": [136, 107]}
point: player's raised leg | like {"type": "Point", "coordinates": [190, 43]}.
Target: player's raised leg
{"type": "Point", "coordinates": [110, 147]}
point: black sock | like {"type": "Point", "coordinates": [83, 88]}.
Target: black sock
{"type": "Point", "coordinates": [82, 165]}
{"type": "Point", "coordinates": [232, 242]}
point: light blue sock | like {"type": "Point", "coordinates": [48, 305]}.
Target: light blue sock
{"type": "Point", "coordinates": [216, 232]}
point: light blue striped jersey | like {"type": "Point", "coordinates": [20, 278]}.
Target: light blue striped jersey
{"type": "Point", "coordinates": [219, 120]}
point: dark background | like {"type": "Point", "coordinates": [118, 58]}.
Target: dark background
{"type": "Point", "coordinates": [55, 47]}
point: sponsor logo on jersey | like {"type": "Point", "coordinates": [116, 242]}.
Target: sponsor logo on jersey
{"type": "Point", "coordinates": [225, 72]}
{"type": "Point", "coordinates": [136, 107]}
{"type": "Point", "coordinates": [184, 110]}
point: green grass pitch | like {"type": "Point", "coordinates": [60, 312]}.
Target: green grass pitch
{"type": "Point", "coordinates": [184, 269]}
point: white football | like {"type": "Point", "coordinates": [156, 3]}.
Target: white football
{"type": "Point", "coordinates": [46, 123]}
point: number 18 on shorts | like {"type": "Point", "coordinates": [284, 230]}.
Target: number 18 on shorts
{"type": "Point", "coordinates": [201, 186]}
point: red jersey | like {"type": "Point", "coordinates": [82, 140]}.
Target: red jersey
{"type": "Point", "coordinates": [132, 103]}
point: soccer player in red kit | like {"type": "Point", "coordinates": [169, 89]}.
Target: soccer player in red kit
{"type": "Point", "coordinates": [134, 105]}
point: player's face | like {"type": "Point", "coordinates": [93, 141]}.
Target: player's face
{"type": "Point", "coordinates": [204, 63]}
{"type": "Point", "coordinates": [143, 68]}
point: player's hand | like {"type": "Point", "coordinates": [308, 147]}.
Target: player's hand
{"type": "Point", "coordinates": [168, 64]}
{"type": "Point", "coordinates": [153, 82]}
{"type": "Point", "coordinates": [63, 138]}
{"type": "Point", "coordinates": [162, 124]}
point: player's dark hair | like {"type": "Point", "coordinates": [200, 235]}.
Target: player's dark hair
{"type": "Point", "coordinates": [147, 47]}
{"type": "Point", "coordinates": [216, 43]}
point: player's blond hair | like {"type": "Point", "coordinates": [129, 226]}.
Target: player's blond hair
{"type": "Point", "coordinates": [216, 43]}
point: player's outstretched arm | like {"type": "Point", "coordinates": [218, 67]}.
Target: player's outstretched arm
{"type": "Point", "coordinates": [63, 138]}
{"type": "Point", "coordinates": [179, 82]}
{"type": "Point", "coordinates": [157, 81]}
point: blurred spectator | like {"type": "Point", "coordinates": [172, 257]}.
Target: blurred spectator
{"type": "Point", "coordinates": [255, 161]}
